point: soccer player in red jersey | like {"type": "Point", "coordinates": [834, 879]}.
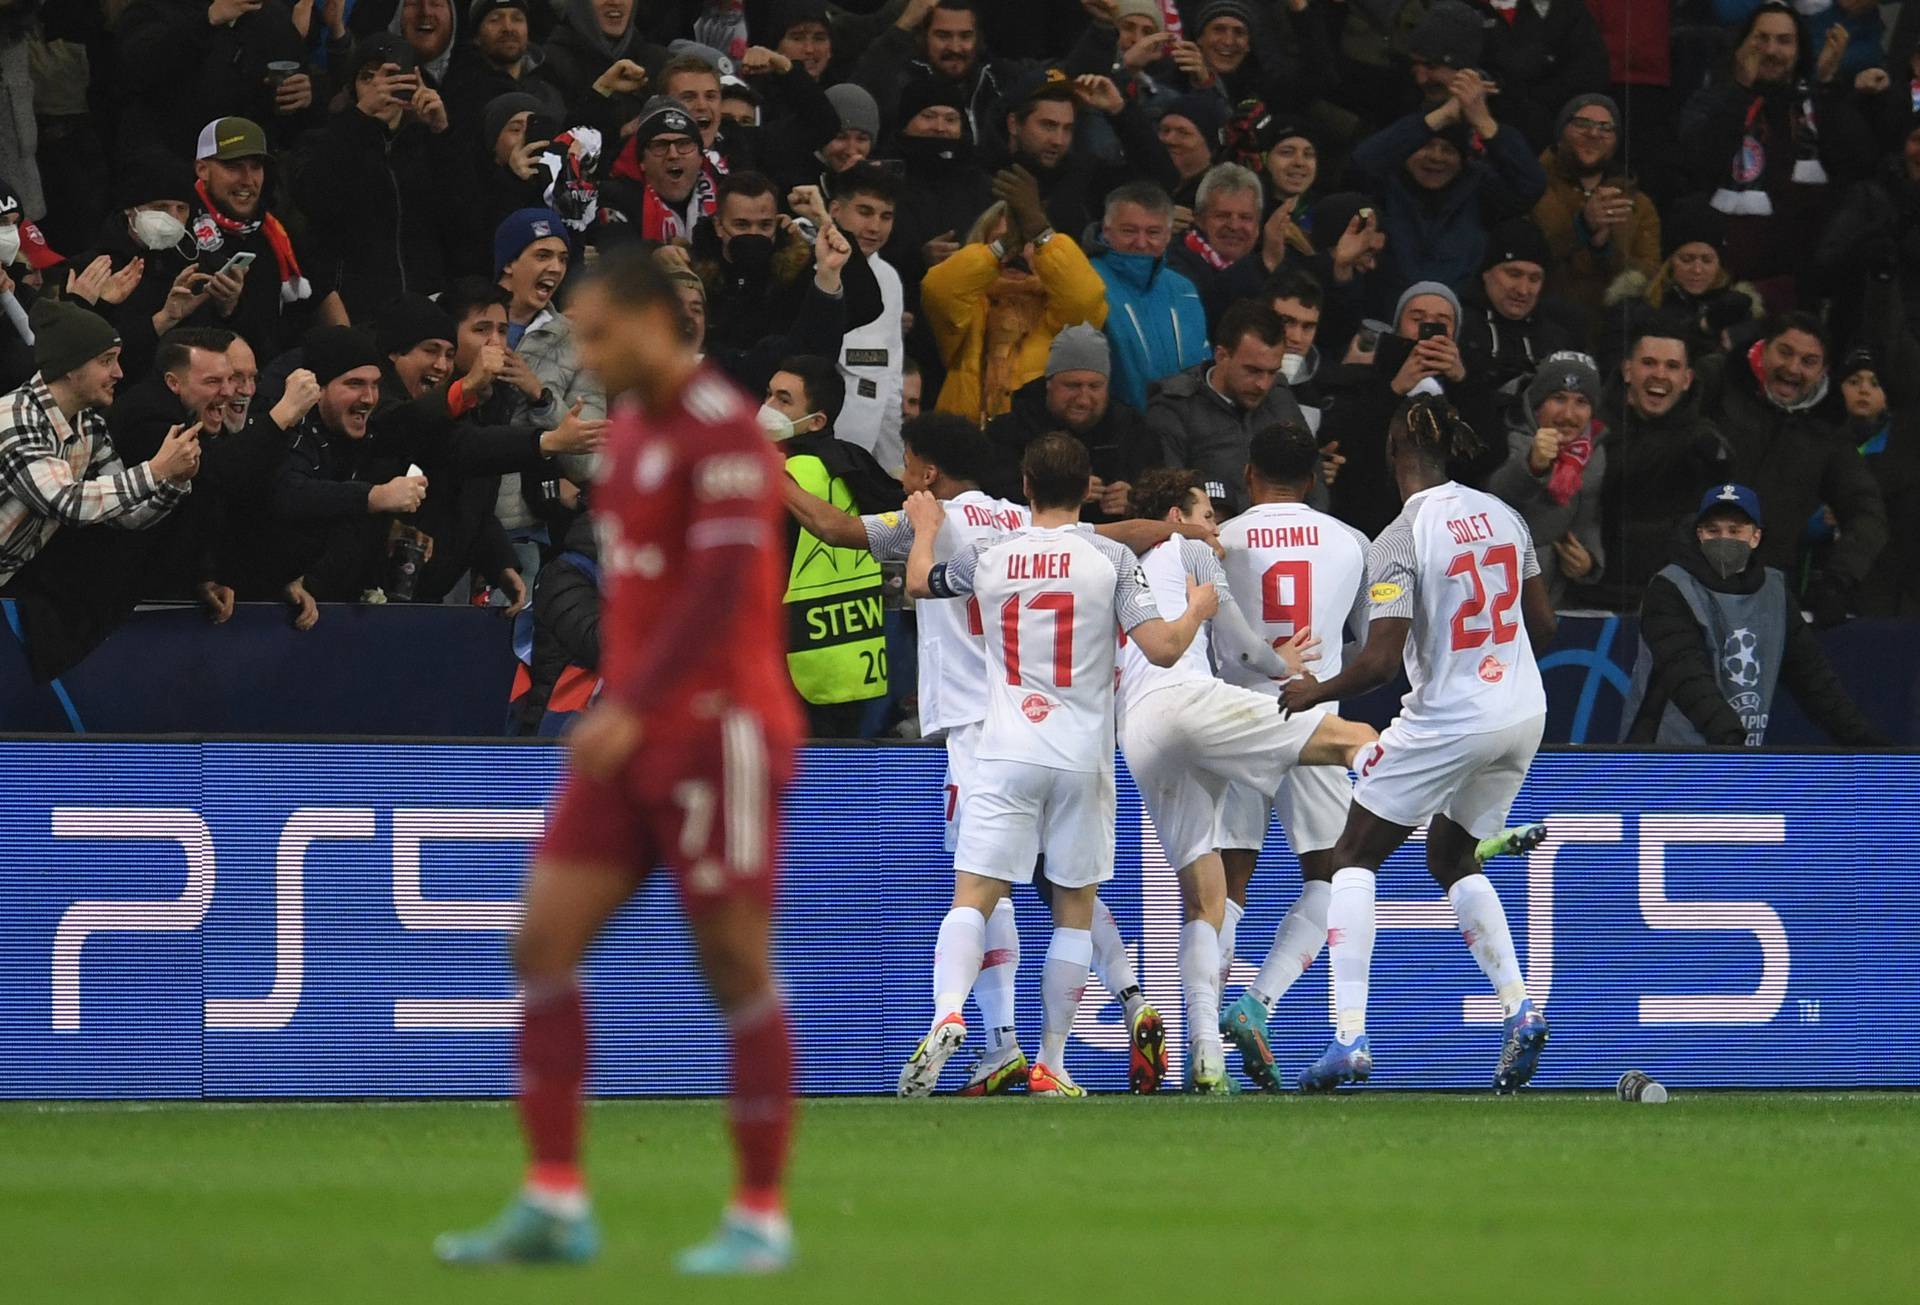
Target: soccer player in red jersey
{"type": "Point", "coordinates": [682, 761]}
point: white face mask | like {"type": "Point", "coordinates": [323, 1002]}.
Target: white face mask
{"type": "Point", "coordinates": [156, 229]}
{"type": "Point", "coordinates": [9, 244]}
{"type": "Point", "coordinates": [777, 424]}
{"type": "Point", "coordinates": [1291, 365]}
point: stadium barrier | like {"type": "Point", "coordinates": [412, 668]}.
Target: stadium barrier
{"type": "Point", "coordinates": [257, 919]}
{"type": "Point", "coordinates": [446, 672]}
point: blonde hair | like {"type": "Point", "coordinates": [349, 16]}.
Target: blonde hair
{"type": "Point", "coordinates": [982, 229]}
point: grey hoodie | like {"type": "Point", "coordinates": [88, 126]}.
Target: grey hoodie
{"type": "Point", "coordinates": [437, 66]}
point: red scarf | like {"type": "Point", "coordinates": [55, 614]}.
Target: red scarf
{"type": "Point", "coordinates": [1570, 468]}
{"type": "Point", "coordinates": [1198, 244]}
{"type": "Point", "coordinates": [210, 228]}
{"type": "Point", "coordinates": [657, 220]}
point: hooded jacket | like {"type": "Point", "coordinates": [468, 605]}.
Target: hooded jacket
{"type": "Point", "coordinates": [1681, 664]}
{"type": "Point", "coordinates": [994, 329]}
{"type": "Point", "coordinates": [1121, 444]}
{"type": "Point", "coordinates": [578, 52]}
{"type": "Point", "coordinates": [1156, 322]}
{"type": "Point", "coordinates": [1795, 461]}
{"type": "Point", "coordinates": [1201, 428]}
{"type": "Point", "coordinates": [895, 56]}
{"type": "Point", "coordinates": [1442, 235]}
{"type": "Point", "coordinates": [1504, 353]}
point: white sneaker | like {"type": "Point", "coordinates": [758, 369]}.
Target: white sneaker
{"type": "Point", "coordinates": [922, 1071]}
{"type": "Point", "coordinates": [1206, 1068]}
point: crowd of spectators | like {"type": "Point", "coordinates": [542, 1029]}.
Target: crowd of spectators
{"type": "Point", "coordinates": [283, 282]}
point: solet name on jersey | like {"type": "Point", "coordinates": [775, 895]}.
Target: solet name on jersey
{"type": "Point", "coordinates": [1283, 537]}
{"type": "Point", "coordinates": [1471, 530]}
{"type": "Point", "coordinates": [991, 518]}
{"type": "Point", "coordinates": [1038, 566]}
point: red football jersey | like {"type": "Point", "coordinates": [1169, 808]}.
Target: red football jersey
{"type": "Point", "coordinates": [690, 523]}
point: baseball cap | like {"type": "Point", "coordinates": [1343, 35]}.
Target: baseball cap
{"type": "Point", "coordinates": [227, 139]}
{"type": "Point", "coordinates": [1039, 84]}
{"type": "Point", "coordinates": [1737, 497]}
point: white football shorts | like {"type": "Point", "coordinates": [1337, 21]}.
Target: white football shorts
{"type": "Point", "coordinates": [1017, 811]}
{"type": "Point", "coordinates": [1471, 779]}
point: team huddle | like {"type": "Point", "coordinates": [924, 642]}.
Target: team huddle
{"type": "Point", "coordinates": [1044, 641]}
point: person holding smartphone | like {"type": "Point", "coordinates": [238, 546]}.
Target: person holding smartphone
{"type": "Point", "coordinates": [1416, 356]}
{"type": "Point", "coordinates": [254, 272]}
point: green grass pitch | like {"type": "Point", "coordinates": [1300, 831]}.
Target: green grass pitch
{"type": "Point", "coordinates": [1380, 1197]}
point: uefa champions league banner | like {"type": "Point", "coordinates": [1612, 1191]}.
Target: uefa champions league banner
{"type": "Point", "coordinates": [315, 919]}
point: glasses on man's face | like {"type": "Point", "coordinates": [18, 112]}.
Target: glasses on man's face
{"type": "Point", "coordinates": [660, 149]}
{"type": "Point", "coordinates": [1592, 126]}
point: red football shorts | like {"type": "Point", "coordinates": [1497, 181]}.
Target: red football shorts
{"type": "Point", "coordinates": [703, 799]}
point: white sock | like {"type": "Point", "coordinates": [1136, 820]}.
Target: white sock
{"type": "Point", "coordinates": [956, 959]}
{"type": "Point", "coordinates": [1062, 979]}
{"type": "Point", "coordinates": [1483, 923]}
{"type": "Point", "coordinates": [1350, 948]}
{"type": "Point", "coordinates": [1301, 935]}
{"type": "Point", "coordinates": [994, 988]}
{"type": "Point", "coordinates": [1229, 935]}
{"type": "Point", "coordinates": [1200, 979]}
{"type": "Point", "coordinates": [1111, 964]}
{"type": "Point", "coordinates": [568, 1204]}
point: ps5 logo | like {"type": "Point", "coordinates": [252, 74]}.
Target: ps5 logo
{"type": "Point", "coordinates": [1158, 950]}
{"type": "Point", "coordinates": [412, 829]}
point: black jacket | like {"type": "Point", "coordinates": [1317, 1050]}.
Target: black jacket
{"type": "Point", "coordinates": [1500, 351]}
{"type": "Point", "coordinates": [387, 212]}
{"type": "Point", "coordinates": [177, 72]}
{"type": "Point", "coordinates": [1795, 462]}
{"type": "Point", "coordinates": [1360, 403]}
{"type": "Point", "coordinates": [743, 308]}
{"type": "Point", "coordinates": [1121, 444]}
{"type": "Point", "coordinates": [1657, 469]}
{"type": "Point", "coordinates": [1683, 665]}
{"type": "Point", "coordinates": [1541, 62]}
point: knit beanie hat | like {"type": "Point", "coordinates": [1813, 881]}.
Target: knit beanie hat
{"type": "Point", "coordinates": [663, 116]}
{"type": "Point", "coordinates": [1079, 348]}
{"type": "Point", "coordinates": [409, 319]}
{"type": "Point", "coordinates": [501, 110]}
{"type": "Point", "coordinates": [1141, 9]}
{"type": "Point", "coordinates": [1860, 358]}
{"type": "Point", "coordinates": [721, 65]}
{"type": "Point", "coordinates": [1580, 102]}
{"type": "Point", "coordinates": [333, 351]}
{"type": "Point", "coordinates": [1205, 110]}
{"type": "Point", "coordinates": [1213, 9]}
{"type": "Point", "coordinates": [1692, 222]}
{"type": "Point", "coordinates": [66, 337]}
{"type": "Point", "coordinates": [1516, 240]}
{"type": "Point", "coordinates": [1450, 35]}
{"type": "Point", "coordinates": [1333, 213]}
{"type": "Point", "coordinates": [1419, 288]}
{"type": "Point", "coordinates": [856, 108]}
{"type": "Point", "coordinates": [151, 176]}
{"type": "Point", "coordinates": [925, 92]}
{"type": "Point", "coordinates": [521, 229]}
{"type": "Point", "coordinates": [1568, 371]}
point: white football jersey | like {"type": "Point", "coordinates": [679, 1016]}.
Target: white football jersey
{"type": "Point", "coordinates": [1050, 599]}
{"type": "Point", "coordinates": [1453, 562]}
{"type": "Point", "coordinates": [1289, 566]}
{"type": "Point", "coordinates": [953, 661]}
{"type": "Point", "coordinates": [1167, 566]}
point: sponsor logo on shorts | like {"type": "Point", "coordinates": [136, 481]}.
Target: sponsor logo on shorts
{"type": "Point", "coordinates": [1385, 592]}
{"type": "Point", "coordinates": [1492, 669]}
{"type": "Point", "coordinates": [1035, 708]}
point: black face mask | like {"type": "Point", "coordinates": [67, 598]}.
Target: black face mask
{"type": "Point", "coordinates": [750, 255]}
{"type": "Point", "coordinates": [935, 154]}
{"type": "Point", "coordinates": [1727, 557]}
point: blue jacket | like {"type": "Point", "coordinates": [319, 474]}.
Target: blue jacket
{"type": "Point", "coordinates": [1442, 236]}
{"type": "Point", "coordinates": [1155, 321]}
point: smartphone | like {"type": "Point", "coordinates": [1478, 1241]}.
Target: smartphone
{"type": "Point", "coordinates": [1430, 329]}
{"type": "Point", "coordinates": [541, 127]}
{"type": "Point", "coordinates": [240, 262]}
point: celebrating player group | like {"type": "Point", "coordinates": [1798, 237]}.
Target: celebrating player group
{"type": "Point", "coordinates": [1213, 658]}
{"type": "Point", "coordinates": [1055, 641]}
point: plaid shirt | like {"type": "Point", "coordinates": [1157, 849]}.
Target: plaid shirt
{"type": "Point", "coordinates": [50, 476]}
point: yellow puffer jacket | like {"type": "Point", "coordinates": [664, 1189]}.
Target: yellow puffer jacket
{"type": "Point", "coordinates": [994, 326]}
